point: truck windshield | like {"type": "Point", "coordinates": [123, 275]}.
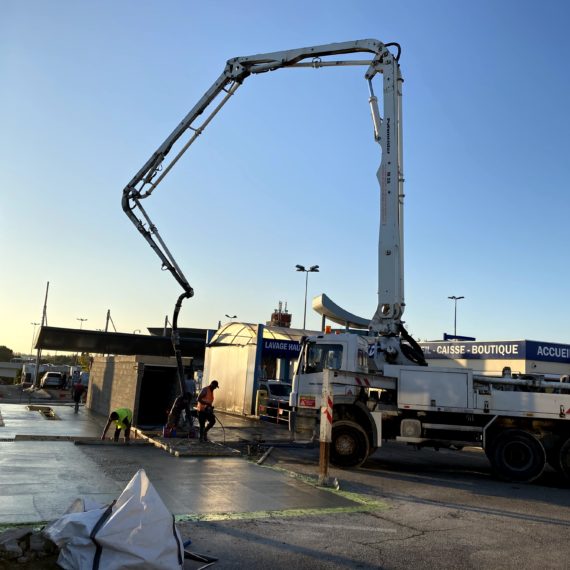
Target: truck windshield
{"type": "Point", "coordinates": [321, 356]}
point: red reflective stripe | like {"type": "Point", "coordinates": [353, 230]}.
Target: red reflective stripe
{"type": "Point", "coordinates": [329, 416]}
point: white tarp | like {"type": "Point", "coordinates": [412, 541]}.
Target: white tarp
{"type": "Point", "coordinates": [137, 531]}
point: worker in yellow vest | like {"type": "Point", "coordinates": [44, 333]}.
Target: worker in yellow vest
{"type": "Point", "coordinates": [205, 409]}
{"type": "Point", "coordinates": [123, 418]}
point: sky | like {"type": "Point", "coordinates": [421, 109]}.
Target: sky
{"type": "Point", "coordinates": [286, 173]}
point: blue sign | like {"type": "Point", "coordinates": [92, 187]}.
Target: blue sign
{"type": "Point", "coordinates": [281, 348]}
{"type": "Point", "coordinates": [447, 336]}
{"type": "Point", "coordinates": [500, 350]}
{"type": "Point", "coordinates": [547, 351]}
{"type": "Point", "coordinates": [474, 350]}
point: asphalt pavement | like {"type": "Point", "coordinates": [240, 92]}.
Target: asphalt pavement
{"type": "Point", "coordinates": [403, 508]}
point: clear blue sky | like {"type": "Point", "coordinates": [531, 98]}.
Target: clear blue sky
{"type": "Point", "coordinates": [286, 173]}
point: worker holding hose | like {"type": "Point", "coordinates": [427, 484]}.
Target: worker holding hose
{"type": "Point", "coordinates": [206, 410]}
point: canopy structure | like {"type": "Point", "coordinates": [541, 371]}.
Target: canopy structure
{"type": "Point", "coordinates": [243, 334]}
{"type": "Point", "coordinates": [100, 342]}
{"type": "Point", "coordinates": [325, 307]}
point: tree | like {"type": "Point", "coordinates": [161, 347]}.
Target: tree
{"type": "Point", "coordinates": [85, 360]}
{"type": "Point", "coordinates": [6, 354]}
{"type": "Point", "coordinates": [59, 359]}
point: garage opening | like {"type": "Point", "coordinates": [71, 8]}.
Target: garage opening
{"type": "Point", "coordinates": [159, 388]}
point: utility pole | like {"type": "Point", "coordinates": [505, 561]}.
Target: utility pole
{"type": "Point", "coordinates": [166, 322]}
{"type": "Point", "coordinates": [33, 336]}
{"type": "Point", "coordinates": [107, 320]}
{"type": "Point", "coordinates": [39, 352]}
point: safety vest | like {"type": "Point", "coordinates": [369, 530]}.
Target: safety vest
{"type": "Point", "coordinates": [208, 398]}
{"type": "Point", "coordinates": [124, 414]}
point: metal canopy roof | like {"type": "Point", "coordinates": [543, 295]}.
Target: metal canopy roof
{"type": "Point", "coordinates": [99, 342]}
{"type": "Point", "coordinates": [324, 306]}
{"type": "Point", "coordinates": [236, 333]}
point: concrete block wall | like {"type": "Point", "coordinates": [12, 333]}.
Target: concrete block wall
{"type": "Point", "coordinates": [115, 381]}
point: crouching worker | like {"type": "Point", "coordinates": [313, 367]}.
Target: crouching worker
{"type": "Point", "coordinates": [123, 418]}
{"type": "Point", "coordinates": [206, 410]}
{"type": "Point", "coordinates": [181, 404]}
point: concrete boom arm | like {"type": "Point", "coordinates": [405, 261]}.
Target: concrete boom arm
{"type": "Point", "coordinates": [387, 132]}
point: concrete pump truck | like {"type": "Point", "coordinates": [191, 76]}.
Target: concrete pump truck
{"type": "Point", "coordinates": [379, 384]}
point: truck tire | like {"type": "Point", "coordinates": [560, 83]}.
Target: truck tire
{"type": "Point", "coordinates": [565, 459]}
{"type": "Point", "coordinates": [553, 457]}
{"type": "Point", "coordinates": [517, 455]}
{"type": "Point", "coordinates": [350, 446]}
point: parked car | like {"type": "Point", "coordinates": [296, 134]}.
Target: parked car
{"type": "Point", "coordinates": [273, 398]}
{"type": "Point", "coordinates": [51, 380]}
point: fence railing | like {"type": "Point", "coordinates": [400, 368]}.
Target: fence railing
{"type": "Point", "coordinates": [279, 414]}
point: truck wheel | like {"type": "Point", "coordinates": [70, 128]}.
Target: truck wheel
{"type": "Point", "coordinates": [553, 457]}
{"type": "Point", "coordinates": [517, 455]}
{"type": "Point", "coordinates": [349, 447]}
{"type": "Point", "coordinates": [565, 459]}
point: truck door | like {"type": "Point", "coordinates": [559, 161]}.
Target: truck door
{"type": "Point", "coordinates": [308, 380]}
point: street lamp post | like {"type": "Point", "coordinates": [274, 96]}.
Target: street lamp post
{"type": "Point", "coordinates": [33, 336]}
{"type": "Point", "coordinates": [81, 321]}
{"type": "Point", "coordinates": [312, 269]}
{"type": "Point", "coordinates": [455, 299]}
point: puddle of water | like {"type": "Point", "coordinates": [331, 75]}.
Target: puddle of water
{"type": "Point", "coordinates": [45, 411]}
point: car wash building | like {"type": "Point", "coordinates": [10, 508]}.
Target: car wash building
{"type": "Point", "coordinates": [521, 356]}
{"type": "Point", "coordinates": [239, 355]}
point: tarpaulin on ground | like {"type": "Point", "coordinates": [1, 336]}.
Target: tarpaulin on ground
{"type": "Point", "coordinates": [135, 531]}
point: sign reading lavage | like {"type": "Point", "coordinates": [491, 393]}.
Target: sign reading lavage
{"type": "Point", "coordinates": [281, 348]}
{"type": "Point", "coordinates": [511, 350]}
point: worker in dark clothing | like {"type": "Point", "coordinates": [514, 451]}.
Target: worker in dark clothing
{"type": "Point", "coordinates": [181, 404]}
{"type": "Point", "coordinates": [123, 418]}
{"type": "Point", "coordinates": [206, 410]}
{"type": "Point", "coordinates": [77, 391]}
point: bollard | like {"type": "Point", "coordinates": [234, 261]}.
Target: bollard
{"type": "Point", "coordinates": [326, 430]}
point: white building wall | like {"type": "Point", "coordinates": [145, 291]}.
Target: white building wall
{"type": "Point", "coordinates": [232, 366]}
{"type": "Point", "coordinates": [10, 369]}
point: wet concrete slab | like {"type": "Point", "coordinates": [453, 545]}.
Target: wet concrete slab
{"type": "Point", "coordinates": [27, 419]}
{"type": "Point", "coordinates": [40, 479]}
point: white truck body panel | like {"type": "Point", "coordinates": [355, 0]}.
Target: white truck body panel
{"type": "Point", "coordinates": [527, 404]}
{"type": "Point", "coordinates": [434, 388]}
{"type": "Point", "coordinates": [452, 390]}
